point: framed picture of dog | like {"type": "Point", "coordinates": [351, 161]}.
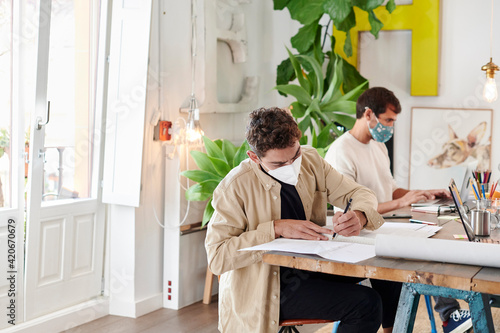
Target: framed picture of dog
{"type": "Point", "coordinates": [448, 143]}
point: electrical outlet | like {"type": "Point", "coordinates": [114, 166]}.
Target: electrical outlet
{"type": "Point", "coordinates": [162, 131]}
{"type": "Point", "coordinates": [164, 134]}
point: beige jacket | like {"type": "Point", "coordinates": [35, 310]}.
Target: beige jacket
{"type": "Point", "coordinates": [246, 202]}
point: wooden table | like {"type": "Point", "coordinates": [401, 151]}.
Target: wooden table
{"type": "Point", "coordinates": [473, 284]}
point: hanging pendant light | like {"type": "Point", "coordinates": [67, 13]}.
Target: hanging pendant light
{"type": "Point", "coordinates": [490, 92]}
{"type": "Point", "coordinates": [193, 131]}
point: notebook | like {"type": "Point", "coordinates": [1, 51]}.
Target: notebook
{"type": "Point", "coordinates": [464, 218]}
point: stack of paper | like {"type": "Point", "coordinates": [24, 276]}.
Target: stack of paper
{"type": "Point", "coordinates": [347, 249]}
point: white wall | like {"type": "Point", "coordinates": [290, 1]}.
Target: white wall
{"type": "Point", "coordinates": [464, 48]}
{"type": "Point", "coordinates": [268, 32]}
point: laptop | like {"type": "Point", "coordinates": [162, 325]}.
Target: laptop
{"type": "Point", "coordinates": [464, 218]}
{"type": "Point", "coordinates": [464, 192]}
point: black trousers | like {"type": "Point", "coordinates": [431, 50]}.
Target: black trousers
{"type": "Point", "coordinates": [312, 295]}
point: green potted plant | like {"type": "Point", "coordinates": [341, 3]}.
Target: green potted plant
{"type": "Point", "coordinates": [325, 101]}
{"type": "Point", "coordinates": [321, 107]}
{"type": "Point", "coordinates": [312, 37]}
{"type": "Point", "coordinates": [221, 157]}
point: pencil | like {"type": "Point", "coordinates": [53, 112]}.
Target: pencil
{"type": "Point", "coordinates": [475, 191]}
{"type": "Point", "coordinates": [345, 211]}
{"type": "Point", "coordinates": [422, 222]}
{"type": "Point", "coordinates": [348, 205]}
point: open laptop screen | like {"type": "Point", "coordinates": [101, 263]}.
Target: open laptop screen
{"type": "Point", "coordinates": [461, 210]}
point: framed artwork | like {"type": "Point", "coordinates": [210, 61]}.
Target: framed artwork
{"type": "Point", "coordinates": [448, 143]}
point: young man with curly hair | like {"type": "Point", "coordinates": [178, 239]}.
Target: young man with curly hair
{"type": "Point", "coordinates": [282, 190]}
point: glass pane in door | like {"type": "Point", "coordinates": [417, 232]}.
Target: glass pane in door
{"type": "Point", "coordinates": [5, 103]}
{"type": "Point", "coordinates": [68, 171]}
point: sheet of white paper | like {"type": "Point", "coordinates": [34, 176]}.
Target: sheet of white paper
{"type": "Point", "coordinates": [443, 250]}
{"type": "Point", "coordinates": [345, 249]}
{"type": "Point", "coordinates": [401, 229]}
{"type": "Point", "coordinates": [339, 251]}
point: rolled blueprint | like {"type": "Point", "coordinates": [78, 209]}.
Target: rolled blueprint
{"type": "Point", "coordinates": [442, 250]}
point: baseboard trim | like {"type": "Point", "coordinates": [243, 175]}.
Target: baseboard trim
{"type": "Point", "coordinates": [136, 309]}
{"type": "Point", "coordinates": [64, 319]}
{"type": "Point", "coordinates": [148, 305]}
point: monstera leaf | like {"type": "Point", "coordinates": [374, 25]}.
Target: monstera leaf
{"type": "Point", "coordinates": [221, 157]}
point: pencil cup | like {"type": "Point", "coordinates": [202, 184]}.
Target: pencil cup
{"type": "Point", "coordinates": [483, 204]}
{"type": "Point", "coordinates": [486, 187]}
{"type": "Point", "coordinates": [480, 220]}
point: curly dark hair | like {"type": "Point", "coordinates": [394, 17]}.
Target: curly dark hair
{"type": "Point", "coordinates": [377, 99]}
{"type": "Point", "coordinates": [272, 128]}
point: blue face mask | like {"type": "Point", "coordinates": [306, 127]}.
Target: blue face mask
{"type": "Point", "coordinates": [381, 133]}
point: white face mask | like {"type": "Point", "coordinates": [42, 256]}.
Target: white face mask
{"type": "Point", "coordinates": [288, 174]}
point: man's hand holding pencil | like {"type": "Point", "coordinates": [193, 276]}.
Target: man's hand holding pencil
{"type": "Point", "coordinates": [348, 223]}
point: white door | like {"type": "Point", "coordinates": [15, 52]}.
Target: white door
{"type": "Point", "coordinates": [65, 216]}
{"type": "Point", "coordinates": [11, 170]}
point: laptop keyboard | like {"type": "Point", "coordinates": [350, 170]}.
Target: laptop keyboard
{"type": "Point", "coordinates": [444, 201]}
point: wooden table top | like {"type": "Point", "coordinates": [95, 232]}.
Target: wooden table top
{"type": "Point", "coordinates": [463, 277]}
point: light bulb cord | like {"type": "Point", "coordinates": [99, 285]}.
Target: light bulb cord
{"type": "Point", "coordinates": [491, 31]}
{"type": "Point", "coordinates": [193, 46]}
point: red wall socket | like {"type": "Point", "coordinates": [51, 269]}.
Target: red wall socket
{"type": "Point", "coordinates": [164, 134]}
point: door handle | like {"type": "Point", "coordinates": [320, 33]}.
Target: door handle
{"type": "Point", "coordinates": [39, 119]}
{"type": "Point", "coordinates": [41, 154]}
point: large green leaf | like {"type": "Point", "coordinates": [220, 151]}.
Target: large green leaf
{"type": "Point", "coordinates": [367, 5]}
{"type": "Point", "coordinates": [298, 110]}
{"type": "Point", "coordinates": [207, 213]}
{"type": "Point", "coordinates": [304, 83]}
{"type": "Point", "coordinates": [228, 149]}
{"type": "Point", "coordinates": [220, 166]}
{"type": "Point", "coordinates": [390, 6]}
{"type": "Point", "coordinates": [213, 150]}
{"type": "Point", "coordinates": [340, 105]}
{"type": "Point", "coordinates": [318, 74]}
{"type": "Point", "coordinates": [347, 24]}
{"type": "Point", "coordinates": [218, 142]}
{"type": "Point", "coordinates": [343, 119]}
{"type": "Point", "coordinates": [354, 93]}
{"type": "Point", "coordinates": [334, 84]}
{"type": "Point", "coordinates": [280, 4]}
{"type": "Point", "coordinates": [305, 11]}
{"type": "Point", "coordinates": [296, 91]}
{"type": "Point", "coordinates": [348, 44]}
{"type": "Point", "coordinates": [304, 39]}
{"type": "Point", "coordinates": [203, 161]}
{"type": "Point", "coordinates": [198, 192]}
{"type": "Point", "coordinates": [375, 23]}
{"type": "Point", "coordinates": [200, 175]}
{"type": "Point", "coordinates": [337, 9]}
{"type": "Point", "coordinates": [325, 137]}
{"type": "Point", "coordinates": [314, 141]}
{"type": "Point", "coordinates": [351, 76]}
{"type": "Point", "coordinates": [305, 124]}
{"type": "Point", "coordinates": [285, 72]}
{"type": "Point", "coordinates": [241, 154]}
{"type": "Point", "coordinates": [317, 49]}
